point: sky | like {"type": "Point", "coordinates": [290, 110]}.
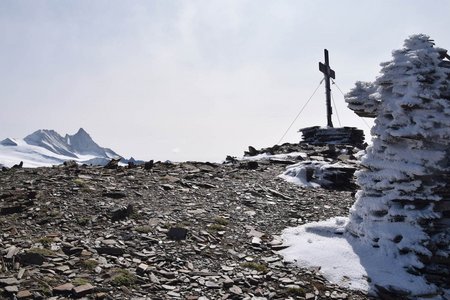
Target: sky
{"type": "Point", "coordinates": [194, 80]}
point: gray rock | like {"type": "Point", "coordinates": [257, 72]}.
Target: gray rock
{"type": "Point", "coordinates": [212, 285]}
{"type": "Point", "coordinates": [141, 269]}
{"type": "Point", "coordinates": [11, 288]}
{"type": "Point", "coordinates": [9, 281]}
{"type": "Point", "coordinates": [235, 290]}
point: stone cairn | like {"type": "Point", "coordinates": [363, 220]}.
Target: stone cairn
{"type": "Point", "coordinates": [403, 204]}
{"type": "Point", "coordinates": [319, 136]}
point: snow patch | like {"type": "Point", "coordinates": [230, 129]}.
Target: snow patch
{"type": "Point", "coordinates": [348, 261]}
{"type": "Point", "coordinates": [310, 174]}
{"type": "Point", "coordinates": [266, 155]}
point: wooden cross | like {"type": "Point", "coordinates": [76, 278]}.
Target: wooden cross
{"type": "Point", "coordinates": [328, 72]}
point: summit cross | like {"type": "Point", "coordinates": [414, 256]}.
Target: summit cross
{"type": "Point", "coordinates": [328, 72]}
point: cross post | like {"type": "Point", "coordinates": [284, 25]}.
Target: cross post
{"type": "Point", "coordinates": [328, 72]}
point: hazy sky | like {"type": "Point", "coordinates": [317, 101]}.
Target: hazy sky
{"type": "Point", "coordinates": [193, 80]}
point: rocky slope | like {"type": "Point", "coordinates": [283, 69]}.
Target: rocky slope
{"type": "Point", "coordinates": [171, 231]}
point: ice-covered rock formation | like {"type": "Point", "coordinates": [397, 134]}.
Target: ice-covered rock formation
{"type": "Point", "coordinates": [403, 205]}
{"type": "Point", "coordinates": [363, 99]}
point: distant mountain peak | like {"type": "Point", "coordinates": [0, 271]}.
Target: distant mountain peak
{"type": "Point", "coordinates": [81, 131]}
{"type": "Point", "coordinates": [50, 140]}
{"type": "Point", "coordinates": [8, 142]}
{"type": "Point", "coordinates": [48, 147]}
{"type": "Point", "coordinates": [82, 143]}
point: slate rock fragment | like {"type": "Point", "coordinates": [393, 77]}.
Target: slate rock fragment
{"type": "Point", "coordinates": [62, 289]}
{"type": "Point", "coordinates": [114, 251]}
{"type": "Point", "coordinates": [70, 164]}
{"type": "Point", "coordinates": [31, 258]}
{"type": "Point", "coordinates": [26, 294]}
{"type": "Point", "coordinates": [114, 194]}
{"type": "Point", "coordinates": [11, 289]}
{"type": "Point", "coordinates": [112, 164]}
{"type": "Point", "coordinates": [18, 166]}
{"type": "Point", "coordinates": [177, 233]}
{"type": "Point", "coordinates": [250, 165]}
{"type": "Point", "coordinates": [251, 151]}
{"type": "Point", "coordinates": [122, 213]}
{"type": "Point", "coordinates": [148, 165]}
{"type": "Point", "coordinates": [9, 210]}
{"type": "Point", "coordinates": [68, 250]}
{"type": "Point", "coordinates": [8, 281]}
{"type": "Point", "coordinates": [82, 290]}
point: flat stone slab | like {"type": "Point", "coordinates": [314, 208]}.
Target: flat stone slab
{"type": "Point", "coordinates": [84, 289]}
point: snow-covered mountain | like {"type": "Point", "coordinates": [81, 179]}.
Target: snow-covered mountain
{"type": "Point", "coordinates": [50, 140]}
{"type": "Point", "coordinates": [82, 143]}
{"type": "Point", "coordinates": [47, 147]}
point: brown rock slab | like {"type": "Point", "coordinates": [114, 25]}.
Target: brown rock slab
{"type": "Point", "coordinates": [84, 289]}
{"type": "Point", "coordinates": [63, 288]}
{"type": "Point", "coordinates": [101, 295]}
{"type": "Point", "coordinates": [24, 295]}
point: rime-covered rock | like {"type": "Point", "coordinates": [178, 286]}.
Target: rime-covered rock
{"type": "Point", "coordinates": [403, 205]}
{"type": "Point", "coordinates": [363, 99]}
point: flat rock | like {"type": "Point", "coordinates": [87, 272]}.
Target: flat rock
{"type": "Point", "coordinates": [235, 290]}
{"type": "Point", "coordinates": [13, 250]}
{"type": "Point", "coordinates": [82, 290]}
{"type": "Point", "coordinates": [212, 285]}
{"type": "Point", "coordinates": [63, 288]}
{"type": "Point", "coordinates": [11, 288]}
{"type": "Point", "coordinates": [31, 258]}
{"type": "Point", "coordinates": [24, 295]}
{"type": "Point", "coordinates": [9, 281]}
{"type": "Point", "coordinates": [168, 287]}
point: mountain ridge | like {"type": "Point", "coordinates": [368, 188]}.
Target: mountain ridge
{"type": "Point", "coordinates": [46, 147]}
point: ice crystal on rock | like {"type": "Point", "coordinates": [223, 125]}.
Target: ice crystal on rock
{"type": "Point", "coordinates": [403, 205]}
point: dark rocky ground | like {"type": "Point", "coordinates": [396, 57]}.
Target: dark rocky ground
{"type": "Point", "coordinates": [177, 231]}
